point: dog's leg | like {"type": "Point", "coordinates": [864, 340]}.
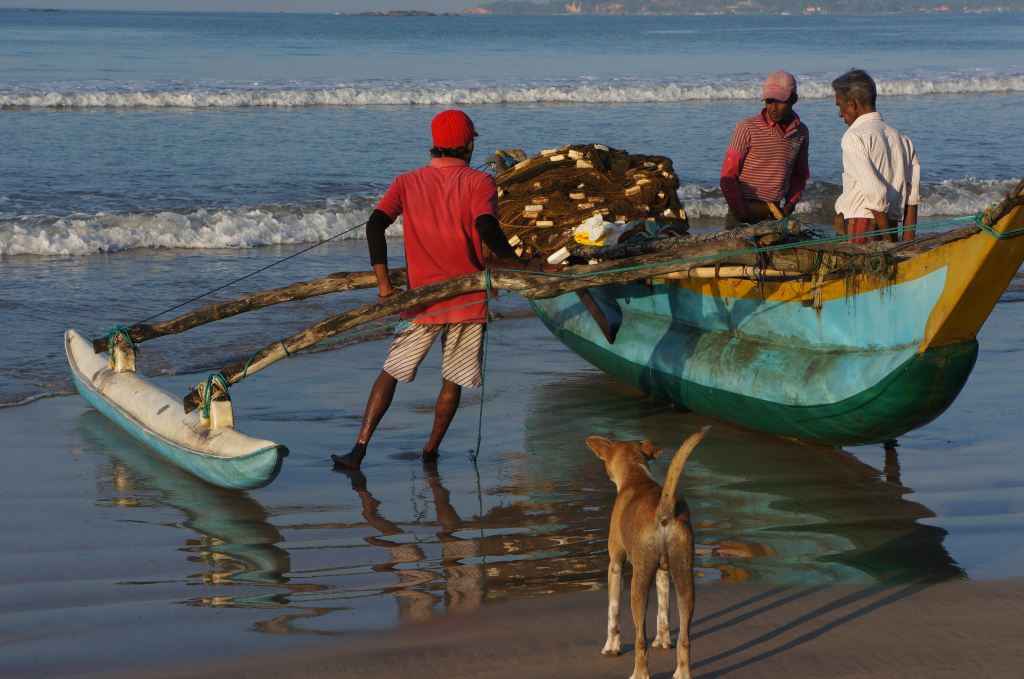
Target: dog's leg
{"type": "Point", "coordinates": [681, 563]}
{"type": "Point", "coordinates": [640, 590]}
{"type": "Point", "coordinates": [662, 640]}
{"type": "Point", "coordinates": [613, 646]}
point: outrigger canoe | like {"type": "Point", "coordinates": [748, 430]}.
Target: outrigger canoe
{"type": "Point", "coordinates": [220, 455]}
{"type": "Point", "coordinates": [855, 359]}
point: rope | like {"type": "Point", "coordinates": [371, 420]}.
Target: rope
{"type": "Point", "coordinates": [248, 275]}
{"type": "Point", "coordinates": [245, 370]}
{"type": "Point", "coordinates": [839, 238]}
{"type": "Point", "coordinates": [120, 331]}
{"type": "Point", "coordinates": [208, 391]}
{"type": "Point", "coordinates": [483, 371]}
{"type": "Point", "coordinates": [112, 335]}
{"type": "Point", "coordinates": [979, 221]}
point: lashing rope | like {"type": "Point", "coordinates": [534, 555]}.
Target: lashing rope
{"type": "Point", "coordinates": [219, 378]}
{"type": "Point", "coordinates": [112, 335]}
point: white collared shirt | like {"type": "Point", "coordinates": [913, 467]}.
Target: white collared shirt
{"type": "Point", "coordinates": [880, 170]}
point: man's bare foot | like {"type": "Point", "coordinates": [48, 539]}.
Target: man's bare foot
{"type": "Point", "coordinates": [430, 456]}
{"type": "Point", "coordinates": [352, 460]}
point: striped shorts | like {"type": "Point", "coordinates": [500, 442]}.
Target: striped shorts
{"type": "Point", "coordinates": [461, 349]}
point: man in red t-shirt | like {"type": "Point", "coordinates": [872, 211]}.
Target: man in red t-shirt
{"type": "Point", "coordinates": [447, 210]}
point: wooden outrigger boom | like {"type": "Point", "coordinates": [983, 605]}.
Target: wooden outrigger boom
{"type": "Point", "coordinates": [532, 285]}
{"type": "Point", "coordinates": [335, 282]}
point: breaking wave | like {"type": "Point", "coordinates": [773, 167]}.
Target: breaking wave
{"type": "Point", "coordinates": [947, 198]}
{"type": "Point", "coordinates": [81, 234]}
{"type": "Point", "coordinates": [342, 218]}
{"type": "Point", "coordinates": [619, 91]}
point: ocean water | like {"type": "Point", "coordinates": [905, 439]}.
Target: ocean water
{"type": "Point", "coordinates": [149, 157]}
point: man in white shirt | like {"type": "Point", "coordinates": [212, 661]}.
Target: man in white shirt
{"type": "Point", "coordinates": [881, 175]}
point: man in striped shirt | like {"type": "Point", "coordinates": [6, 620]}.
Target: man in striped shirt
{"type": "Point", "coordinates": [765, 168]}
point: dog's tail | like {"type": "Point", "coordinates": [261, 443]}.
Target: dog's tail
{"type": "Point", "coordinates": [666, 505]}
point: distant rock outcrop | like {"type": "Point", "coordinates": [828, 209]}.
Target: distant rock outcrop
{"type": "Point", "coordinates": [692, 7]}
{"type": "Point", "coordinates": [406, 13]}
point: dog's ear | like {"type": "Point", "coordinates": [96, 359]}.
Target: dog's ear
{"type": "Point", "coordinates": [599, 445]}
{"type": "Point", "coordinates": [650, 450]}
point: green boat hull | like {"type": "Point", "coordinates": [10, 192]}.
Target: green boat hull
{"type": "Point", "coordinates": [913, 395]}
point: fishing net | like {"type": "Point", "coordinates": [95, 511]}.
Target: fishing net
{"type": "Point", "coordinates": [546, 201]}
{"type": "Point", "coordinates": [543, 199]}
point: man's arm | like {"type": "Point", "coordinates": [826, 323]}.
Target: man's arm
{"type": "Point", "coordinates": [730, 184]}
{"type": "Point", "coordinates": [882, 223]}
{"type": "Point", "coordinates": [732, 165]}
{"type": "Point", "coordinates": [914, 195]}
{"type": "Point", "coordinates": [798, 178]}
{"type": "Point", "coordinates": [909, 222]}
{"type": "Point", "coordinates": [375, 227]}
{"type": "Point", "coordinates": [502, 254]}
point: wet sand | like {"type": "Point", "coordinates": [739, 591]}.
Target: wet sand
{"type": "Point", "coordinates": [115, 561]}
{"type": "Point", "coordinates": [953, 629]}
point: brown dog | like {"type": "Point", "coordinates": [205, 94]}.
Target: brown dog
{"type": "Point", "coordinates": [651, 528]}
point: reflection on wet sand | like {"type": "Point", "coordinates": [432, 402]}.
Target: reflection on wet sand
{"type": "Point", "coordinates": [764, 507]}
{"type": "Point", "coordinates": [234, 543]}
{"type": "Point", "coordinates": [533, 522]}
{"type": "Point", "coordinates": [464, 584]}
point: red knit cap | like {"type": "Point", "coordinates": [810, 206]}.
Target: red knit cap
{"type": "Point", "coordinates": [452, 129]}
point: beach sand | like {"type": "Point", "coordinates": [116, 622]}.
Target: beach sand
{"type": "Point", "coordinates": [117, 562]}
{"type": "Point", "coordinates": [954, 629]}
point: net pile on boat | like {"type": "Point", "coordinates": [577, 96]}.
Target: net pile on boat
{"type": "Point", "coordinates": [542, 200]}
{"type": "Point", "coordinates": [547, 201]}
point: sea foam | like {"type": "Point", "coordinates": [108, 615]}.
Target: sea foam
{"type": "Point", "coordinates": [429, 93]}
{"type": "Point", "coordinates": [196, 229]}
{"type": "Point", "coordinates": [248, 227]}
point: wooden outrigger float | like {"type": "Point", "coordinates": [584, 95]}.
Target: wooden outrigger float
{"type": "Point", "coordinates": [770, 339]}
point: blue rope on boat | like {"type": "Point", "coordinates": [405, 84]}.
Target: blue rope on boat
{"type": "Point", "coordinates": [219, 378]}
{"type": "Point", "coordinates": [979, 221]}
{"type": "Point", "coordinates": [245, 370]}
{"type": "Point", "coordinates": [112, 335]}
{"type": "Point", "coordinates": [119, 331]}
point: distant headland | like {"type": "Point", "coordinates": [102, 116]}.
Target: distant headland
{"type": "Point", "coordinates": [406, 13]}
{"type": "Point", "coordinates": [712, 7]}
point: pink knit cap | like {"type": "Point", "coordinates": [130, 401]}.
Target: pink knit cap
{"type": "Point", "coordinates": [779, 85]}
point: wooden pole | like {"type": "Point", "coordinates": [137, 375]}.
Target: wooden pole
{"type": "Point", "coordinates": [335, 282]}
{"type": "Point", "coordinates": [529, 284]}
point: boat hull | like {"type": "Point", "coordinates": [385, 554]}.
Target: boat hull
{"type": "Point", "coordinates": [839, 360]}
{"type": "Point", "coordinates": [911, 395]}
{"type": "Point", "coordinates": [225, 458]}
{"type": "Point", "coordinates": [846, 369]}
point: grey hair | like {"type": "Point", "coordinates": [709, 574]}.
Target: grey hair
{"type": "Point", "coordinates": [856, 84]}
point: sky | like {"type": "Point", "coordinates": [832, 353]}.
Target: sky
{"type": "Point", "coordinates": [249, 5]}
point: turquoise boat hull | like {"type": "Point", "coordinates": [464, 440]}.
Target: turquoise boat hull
{"type": "Point", "coordinates": [850, 372]}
